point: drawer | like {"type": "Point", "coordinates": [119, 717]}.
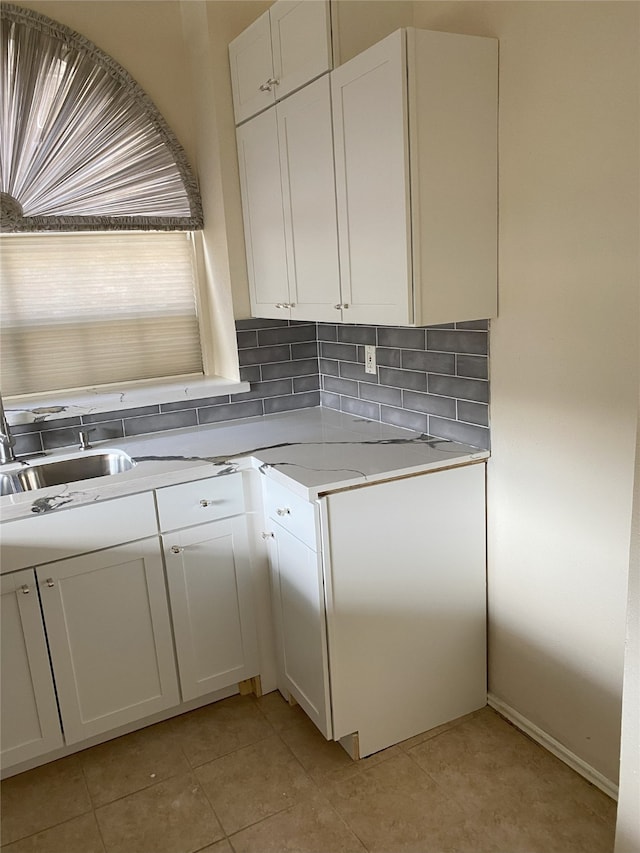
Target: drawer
{"type": "Point", "coordinates": [200, 501]}
{"type": "Point", "coordinates": [64, 533]}
{"type": "Point", "coordinates": [293, 513]}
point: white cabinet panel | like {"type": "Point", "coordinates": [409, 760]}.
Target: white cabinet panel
{"type": "Point", "coordinates": [415, 127]}
{"type": "Point", "coordinates": [209, 578]}
{"type": "Point", "coordinates": [299, 613]}
{"type": "Point", "coordinates": [110, 637]}
{"type": "Point", "coordinates": [251, 64]}
{"type": "Point", "coordinates": [406, 604]}
{"type": "Point", "coordinates": [63, 533]}
{"type": "Point", "coordinates": [284, 49]}
{"type": "Point", "coordinates": [380, 609]}
{"type": "Point", "coordinates": [200, 501]}
{"type": "Point", "coordinates": [308, 193]}
{"type": "Point", "coordinates": [289, 208]}
{"type": "Point", "coordinates": [372, 182]}
{"type": "Point", "coordinates": [291, 512]}
{"type": "Point", "coordinates": [301, 42]}
{"type": "Point", "coordinates": [29, 723]}
{"type": "Point", "coordinates": [264, 234]}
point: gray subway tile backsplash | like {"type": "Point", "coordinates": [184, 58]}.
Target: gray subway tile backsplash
{"type": "Point", "coordinates": [412, 379]}
{"type": "Point", "coordinates": [429, 404]}
{"type": "Point", "coordinates": [456, 431]}
{"type": "Point", "coordinates": [433, 379]}
{"type": "Point", "coordinates": [404, 418]}
{"type": "Point", "coordinates": [215, 414]}
{"type": "Point", "coordinates": [341, 352]}
{"type": "Point", "coordinates": [381, 394]}
{"type": "Point", "coordinates": [447, 340]}
{"type": "Point", "coordinates": [308, 400]}
{"type": "Point", "coordinates": [303, 367]}
{"type": "Point", "coordinates": [403, 338]}
{"type": "Point", "coordinates": [288, 334]}
{"type": "Point", "coordinates": [473, 366]}
{"type": "Point", "coordinates": [472, 413]}
{"type": "Point", "coordinates": [428, 362]}
{"type": "Point", "coordinates": [456, 386]}
{"type": "Point", "coordinates": [357, 335]}
{"type": "Point", "coordinates": [160, 423]}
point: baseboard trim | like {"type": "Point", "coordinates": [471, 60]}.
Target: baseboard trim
{"type": "Point", "coordinates": [590, 773]}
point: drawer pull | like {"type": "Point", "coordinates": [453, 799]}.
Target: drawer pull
{"type": "Point", "coordinates": [25, 589]}
{"type": "Point", "coordinates": [268, 536]}
{"type": "Point", "coordinates": [176, 549]}
{"type": "Point", "coordinates": [205, 503]}
{"type": "Point", "coordinates": [49, 582]}
{"type": "Point", "coordinates": [283, 510]}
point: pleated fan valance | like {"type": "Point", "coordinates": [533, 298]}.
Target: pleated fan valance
{"type": "Point", "coordinates": [82, 147]}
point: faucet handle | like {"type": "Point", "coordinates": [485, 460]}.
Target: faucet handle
{"type": "Point", "coordinates": [83, 438]}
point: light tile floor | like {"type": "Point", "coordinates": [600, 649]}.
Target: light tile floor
{"type": "Point", "coordinates": [255, 776]}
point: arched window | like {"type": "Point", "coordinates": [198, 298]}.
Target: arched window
{"type": "Point", "coordinates": [83, 149]}
{"type": "Point", "coordinates": [82, 146]}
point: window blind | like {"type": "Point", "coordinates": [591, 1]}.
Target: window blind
{"type": "Point", "coordinates": [85, 309]}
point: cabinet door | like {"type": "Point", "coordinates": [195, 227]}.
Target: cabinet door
{"type": "Point", "coordinates": [372, 179]}
{"type": "Point", "coordinates": [209, 577]}
{"type": "Point", "coordinates": [30, 724]}
{"type": "Point", "coordinates": [250, 61]}
{"type": "Point", "coordinates": [406, 612]}
{"type": "Point", "coordinates": [259, 163]}
{"type": "Point", "coordinates": [308, 192]}
{"type": "Point", "coordinates": [301, 42]}
{"type": "Point", "coordinates": [110, 637]}
{"type": "Point", "coordinates": [299, 611]}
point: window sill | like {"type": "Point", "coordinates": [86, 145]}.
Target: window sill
{"type": "Point", "coordinates": [48, 407]}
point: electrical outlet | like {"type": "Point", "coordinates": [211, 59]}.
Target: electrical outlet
{"type": "Point", "coordinates": [370, 360]}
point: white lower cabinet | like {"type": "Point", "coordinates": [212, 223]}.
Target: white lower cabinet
{"type": "Point", "coordinates": [89, 642]}
{"type": "Point", "coordinates": [29, 723]}
{"type": "Point", "coordinates": [210, 584]}
{"type": "Point", "coordinates": [300, 628]}
{"type": "Point", "coordinates": [381, 618]}
{"type": "Point", "coordinates": [378, 603]}
{"type": "Point", "coordinates": [209, 579]}
{"type": "Point", "coordinates": [109, 636]}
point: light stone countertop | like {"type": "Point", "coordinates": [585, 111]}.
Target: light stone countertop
{"type": "Point", "coordinates": [311, 452]}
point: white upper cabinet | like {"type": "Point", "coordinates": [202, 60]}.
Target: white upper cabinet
{"type": "Point", "coordinates": [372, 180]}
{"type": "Point", "coordinates": [284, 49]}
{"type": "Point", "coordinates": [415, 128]}
{"type": "Point", "coordinates": [289, 207]}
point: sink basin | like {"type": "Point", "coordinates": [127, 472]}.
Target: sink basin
{"type": "Point", "coordinates": [69, 470]}
{"type": "Point", "coordinates": [9, 485]}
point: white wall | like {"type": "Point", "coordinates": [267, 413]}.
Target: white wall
{"type": "Point", "coordinates": [628, 827]}
{"type": "Point", "coordinates": [564, 370]}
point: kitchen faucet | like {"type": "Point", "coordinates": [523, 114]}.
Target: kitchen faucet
{"type": "Point", "coordinates": [6, 439]}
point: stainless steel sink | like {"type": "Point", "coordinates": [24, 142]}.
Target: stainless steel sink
{"type": "Point", "coordinates": [56, 472]}
{"type": "Point", "coordinates": [9, 485]}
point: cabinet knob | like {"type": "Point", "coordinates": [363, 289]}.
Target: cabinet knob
{"type": "Point", "coordinates": [49, 582]}
{"type": "Point", "coordinates": [341, 305]}
{"type": "Point", "coordinates": [283, 510]}
{"type": "Point", "coordinates": [25, 589]}
{"type": "Point", "coordinates": [268, 84]}
{"type": "Point", "coordinates": [268, 536]}
{"type": "Point", "coordinates": [176, 549]}
{"type": "Point", "coordinates": [205, 503]}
